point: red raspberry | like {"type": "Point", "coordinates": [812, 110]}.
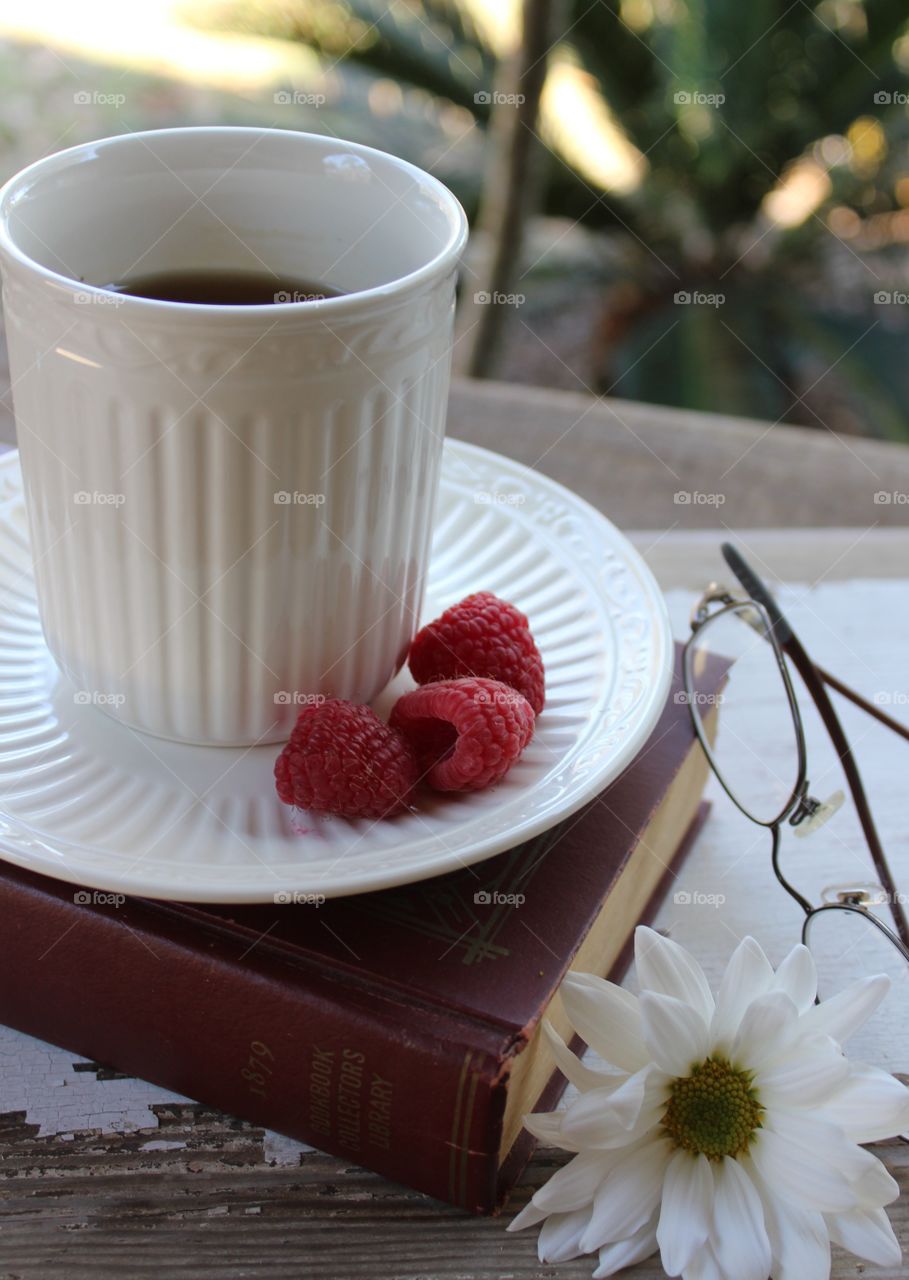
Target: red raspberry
{"type": "Point", "coordinates": [342, 759]}
{"type": "Point", "coordinates": [466, 733]}
{"type": "Point", "coordinates": [480, 636]}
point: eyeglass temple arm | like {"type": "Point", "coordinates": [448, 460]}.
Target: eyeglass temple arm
{"type": "Point", "coordinates": [814, 683]}
{"type": "Point", "coordinates": [758, 591]}
{"type": "Point", "coordinates": [868, 707]}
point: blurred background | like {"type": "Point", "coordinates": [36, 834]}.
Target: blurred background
{"type": "Point", "coordinates": [700, 203]}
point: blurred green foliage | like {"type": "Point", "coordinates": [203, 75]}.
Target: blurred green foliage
{"type": "Point", "coordinates": [773, 180]}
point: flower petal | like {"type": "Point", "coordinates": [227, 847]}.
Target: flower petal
{"type": "Point", "coordinates": [529, 1216]}
{"type": "Point", "coordinates": [876, 1186]}
{"type": "Point", "coordinates": [546, 1127]}
{"type": "Point", "coordinates": [607, 1018]}
{"type": "Point", "coordinates": [848, 1009]}
{"type": "Point", "coordinates": [798, 1237]}
{"type": "Point", "coordinates": [806, 1076]}
{"type": "Point", "coordinates": [871, 1105]}
{"type": "Point", "coordinates": [625, 1253]}
{"type": "Point", "coordinates": [738, 1236]}
{"type": "Point", "coordinates": [573, 1069]}
{"type": "Point", "coordinates": [806, 1177]}
{"type": "Point", "coordinates": [769, 1024]}
{"type": "Point", "coordinates": [591, 1119]}
{"type": "Point", "coordinates": [704, 1266]}
{"type": "Point", "coordinates": [628, 1196]}
{"type": "Point", "coordinates": [572, 1186]}
{"type": "Point", "coordinates": [821, 1139]}
{"type": "Point", "coordinates": [560, 1234]}
{"type": "Point", "coordinates": [686, 1211]}
{"type": "Point", "coordinates": [748, 975]}
{"type": "Point", "coordinates": [674, 1033]}
{"type": "Point", "coordinates": [615, 1118]}
{"type": "Point", "coordinates": [665, 967]}
{"type": "Point", "coordinates": [797, 976]}
{"type": "Point", "coordinates": [868, 1233]}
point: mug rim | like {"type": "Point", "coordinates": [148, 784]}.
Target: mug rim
{"type": "Point", "coordinates": [437, 266]}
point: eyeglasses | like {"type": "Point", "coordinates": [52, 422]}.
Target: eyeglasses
{"type": "Point", "coordinates": [750, 632]}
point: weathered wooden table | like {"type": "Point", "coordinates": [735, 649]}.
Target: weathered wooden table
{"type": "Point", "coordinates": [106, 1176]}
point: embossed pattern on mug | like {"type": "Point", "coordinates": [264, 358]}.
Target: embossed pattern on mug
{"type": "Point", "coordinates": [200, 565]}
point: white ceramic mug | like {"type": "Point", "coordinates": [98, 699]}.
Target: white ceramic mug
{"type": "Point", "coordinates": [230, 507]}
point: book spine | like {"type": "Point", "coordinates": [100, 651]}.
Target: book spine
{"type": "Point", "coordinates": [414, 1095]}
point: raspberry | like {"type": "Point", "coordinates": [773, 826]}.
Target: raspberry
{"type": "Point", "coordinates": [342, 759]}
{"type": "Point", "coordinates": [480, 636]}
{"type": "Point", "coordinates": [466, 733]}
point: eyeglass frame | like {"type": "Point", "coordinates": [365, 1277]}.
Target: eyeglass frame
{"type": "Point", "coordinates": [775, 629]}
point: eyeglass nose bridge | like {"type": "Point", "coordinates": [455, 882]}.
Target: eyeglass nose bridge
{"type": "Point", "coordinates": [855, 895]}
{"type": "Point", "coordinates": [806, 806]}
{"type": "Point", "coordinates": [810, 814]}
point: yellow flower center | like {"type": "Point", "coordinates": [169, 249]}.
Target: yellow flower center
{"type": "Point", "coordinates": [714, 1111]}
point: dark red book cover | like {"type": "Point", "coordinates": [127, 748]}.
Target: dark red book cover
{"type": "Point", "coordinates": [384, 1027]}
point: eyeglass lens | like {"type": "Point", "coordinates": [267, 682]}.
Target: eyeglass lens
{"type": "Point", "coordinates": [753, 709]}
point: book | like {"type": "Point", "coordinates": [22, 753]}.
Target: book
{"type": "Point", "coordinates": [400, 1029]}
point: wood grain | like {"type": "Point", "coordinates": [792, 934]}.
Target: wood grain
{"type": "Point", "coordinates": [116, 1212]}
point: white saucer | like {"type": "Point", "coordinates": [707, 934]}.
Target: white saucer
{"type": "Point", "coordinates": [84, 798]}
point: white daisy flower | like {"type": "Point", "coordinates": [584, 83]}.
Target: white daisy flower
{"type": "Point", "coordinates": [725, 1131]}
